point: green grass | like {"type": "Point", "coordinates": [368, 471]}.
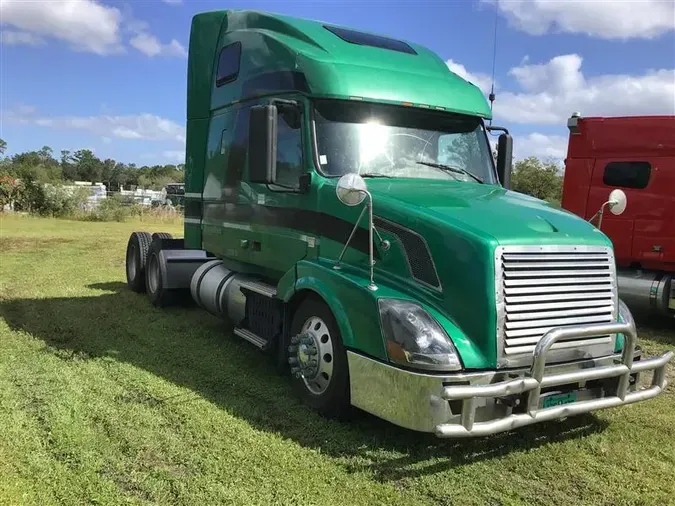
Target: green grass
{"type": "Point", "coordinates": [107, 400]}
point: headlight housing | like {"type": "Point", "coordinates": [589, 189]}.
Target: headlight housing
{"type": "Point", "coordinates": [625, 316]}
{"type": "Point", "coordinates": [413, 338]}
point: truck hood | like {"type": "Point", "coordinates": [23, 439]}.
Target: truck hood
{"type": "Point", "coordinates": [462, 223]}
{"type": "Point", "coordinates": [485, 211]}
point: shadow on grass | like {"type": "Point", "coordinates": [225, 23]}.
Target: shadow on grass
{"type": "Point", "coordinates": [189, 348]}
{"type": "Point", "coordinates": [656, 327]}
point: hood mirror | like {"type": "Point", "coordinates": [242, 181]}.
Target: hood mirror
{"type": "Point", "coordinates": [617, 202]}
{"type": "Point", "coordinates": [351, 189]}
{"type": "Point", "coordinates": [617, 205]}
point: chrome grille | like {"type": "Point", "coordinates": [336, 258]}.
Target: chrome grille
{"type": "Point", "coordinates": [543, 287]}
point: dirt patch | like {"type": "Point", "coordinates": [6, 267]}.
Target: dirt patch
{"type": "Point", "coordinates": [10, 244]}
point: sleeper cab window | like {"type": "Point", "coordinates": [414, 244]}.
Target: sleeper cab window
{"type": "Point", "coordinates": [627, 174]}
{"type": "Point", "coordinates": [228, 64]}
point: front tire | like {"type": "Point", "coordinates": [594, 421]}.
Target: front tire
{"type": "Point", "coordinates": [136, 258]}
{"type": "Point", "coordinates": [318, 359]}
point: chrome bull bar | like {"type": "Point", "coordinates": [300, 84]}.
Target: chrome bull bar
{"type": "Point", "coordinates": [535, 380]}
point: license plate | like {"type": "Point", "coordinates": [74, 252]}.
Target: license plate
{"type": "Point", "coordinates": [558, 399]}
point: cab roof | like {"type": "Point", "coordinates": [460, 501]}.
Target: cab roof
{"type": "Point", "coordinates": [598, 136]}
{"type": "Point", "coordinates": [321, 59]}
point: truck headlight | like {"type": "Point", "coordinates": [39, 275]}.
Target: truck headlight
{"type": "Point", "coordinates": [414, 338]}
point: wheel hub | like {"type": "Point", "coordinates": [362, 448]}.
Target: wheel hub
{"type": "Point", "coordinates": [307, 349]}
{"type": "Point", "coordinates": [311, 355]}
{"type": "Point", "coordinates": [131, 262]}
{"type": "Point", "coordinates": [153, 274]}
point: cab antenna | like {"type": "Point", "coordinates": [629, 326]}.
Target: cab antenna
{"type": "Point", "coordinates": [491, 97]}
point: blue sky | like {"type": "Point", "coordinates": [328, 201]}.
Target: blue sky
{"type": "Point", "coordinates": [111, 75]}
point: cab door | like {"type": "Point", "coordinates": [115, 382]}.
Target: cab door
{"type": "Point", "coordinates": [283, 217]}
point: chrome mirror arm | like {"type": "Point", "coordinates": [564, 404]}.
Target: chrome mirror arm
{"type": "Point", "coordinates": [371, 260]}
{"type": "Point", "coordinates": [601, 213]}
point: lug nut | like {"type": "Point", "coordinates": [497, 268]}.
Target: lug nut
{"type": "Point", "coordinates": [307, 340]}
{"type": "Point", "coordinates": [312, 363]}
{"type": "Point", "coordinates": [292, 349]}
{"type": "Point", "coordinates": [312, 351]}
{"type": "Point", "coordinates": [295, 339]}
{"type": "Point", "coordinates": [295, 370]}
{"type": "Point", "coordinates": [293, 361]}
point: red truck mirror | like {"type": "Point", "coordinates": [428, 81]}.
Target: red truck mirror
{"type": "Point", "coordinates": [617, 205]}
{"type": "Point", "coordinates": [262, 144]}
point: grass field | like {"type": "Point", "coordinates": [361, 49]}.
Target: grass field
{"type": "Point", "coordinates": [107, 400]}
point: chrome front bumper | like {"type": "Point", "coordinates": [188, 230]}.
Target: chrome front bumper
{"type": "Point", "coordinates": [479, 404]}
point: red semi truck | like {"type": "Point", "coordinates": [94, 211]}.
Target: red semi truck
{"type": "Point", "coordinates": [636, 155]}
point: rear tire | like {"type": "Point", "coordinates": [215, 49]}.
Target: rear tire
{"type": "Point", "coordinates": [136, 257]}
{"type": "Point", "coordinates": [162, 235]}
{"type": "Point", "coordinates": [326, 390]}
{"type": "Point", "coordinates": [154, 280]}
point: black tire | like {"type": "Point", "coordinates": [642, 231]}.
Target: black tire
{"type": "Point", "coordinates": [162, 235]}
{"type": "Point", "coordinates": [334, 401]}
{"type": "Point", "coordinates": [154, 281]}
{"type": "Point", "coordinates": [136, 257]}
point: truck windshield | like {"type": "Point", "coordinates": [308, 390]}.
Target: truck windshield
{"type": "Point", "coordinates": [400, 142]}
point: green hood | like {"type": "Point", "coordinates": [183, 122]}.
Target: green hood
{"type": "Point", "coordinates": [462, 224]}
{"type": "Point", "coordinates": [488, 212]}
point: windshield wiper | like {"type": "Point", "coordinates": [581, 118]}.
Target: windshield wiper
{"type": "Point", "coordinates": [374, 174]}
{"type": "Point", "coordinates": [449, 168]}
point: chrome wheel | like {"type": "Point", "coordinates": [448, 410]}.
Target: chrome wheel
{"type": "Point", "coordinates": [153, 274]}
{"type": "Point", "coordinates": [311, 355]}
{"type": "Point", "coordinates": [132, 262]}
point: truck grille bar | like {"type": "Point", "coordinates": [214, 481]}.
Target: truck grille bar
{"type": "Point", "coordinates": [539, 288]}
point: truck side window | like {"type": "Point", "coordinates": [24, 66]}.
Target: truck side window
{"type": "Point", "coordinates": [627, 174]}
{"type": "Point", "coordinates": [289, 152]}
{"type": "Point", "coordinates": [228, 64]}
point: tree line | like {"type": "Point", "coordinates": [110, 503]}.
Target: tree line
{"type": "Point", "coordinates": [42, 166]}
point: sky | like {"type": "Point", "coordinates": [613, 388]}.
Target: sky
{"type": "Point", "coordinates": [111, 75]}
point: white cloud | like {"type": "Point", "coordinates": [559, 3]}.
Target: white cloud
{"type": "Point", "coordinates": [15, 38]}
{"type": "Point", "coordinates": [86, 25]}
{"type": "Point", "coordinates": [174, 155]}
{"type": "Point", "coordinates": [553, 147]}
{"type": "Point", "coordinates": [134, 126]}
{"type": "Point", "coordinates": [146, 44]}
{"type": "Point", "coordinates": [608, 20]}
{"type": "Point", "coordinates": [175, 48]}
{"type": "Point", "coordinates": [173, 2]}
{"type": "Point", "coordinates": [483, 81]}
{"type": "Point", "coordinates": [149, 45]}
{"type": "Point", "coordinates": [555, 89]}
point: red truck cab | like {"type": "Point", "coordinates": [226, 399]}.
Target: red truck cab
{"type": "Point", "coordinates": [637, 155]}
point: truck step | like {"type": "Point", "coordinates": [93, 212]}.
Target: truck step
{"type": "Point", "coordinates": [252, 338]}
{"type": "Point", "coordinates": [260, 287]}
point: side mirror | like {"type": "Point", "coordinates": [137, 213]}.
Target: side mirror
{"type": "Point", "coordinates": [504, 159]}
{"type": "Point", "coordinates": [262, 144]}
{"type": "Point", "coordinates": [617, 202]}
{"type": "Point", "coordinates": [351, 189]}
{"type": "Point", "coordinates": [617, 205]}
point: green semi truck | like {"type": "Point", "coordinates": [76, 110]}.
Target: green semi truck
{"type": "Point", "coordinates": [344, 212]}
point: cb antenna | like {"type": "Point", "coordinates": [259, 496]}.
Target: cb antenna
{"type": "Point", "coordinates": [491, 97]}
